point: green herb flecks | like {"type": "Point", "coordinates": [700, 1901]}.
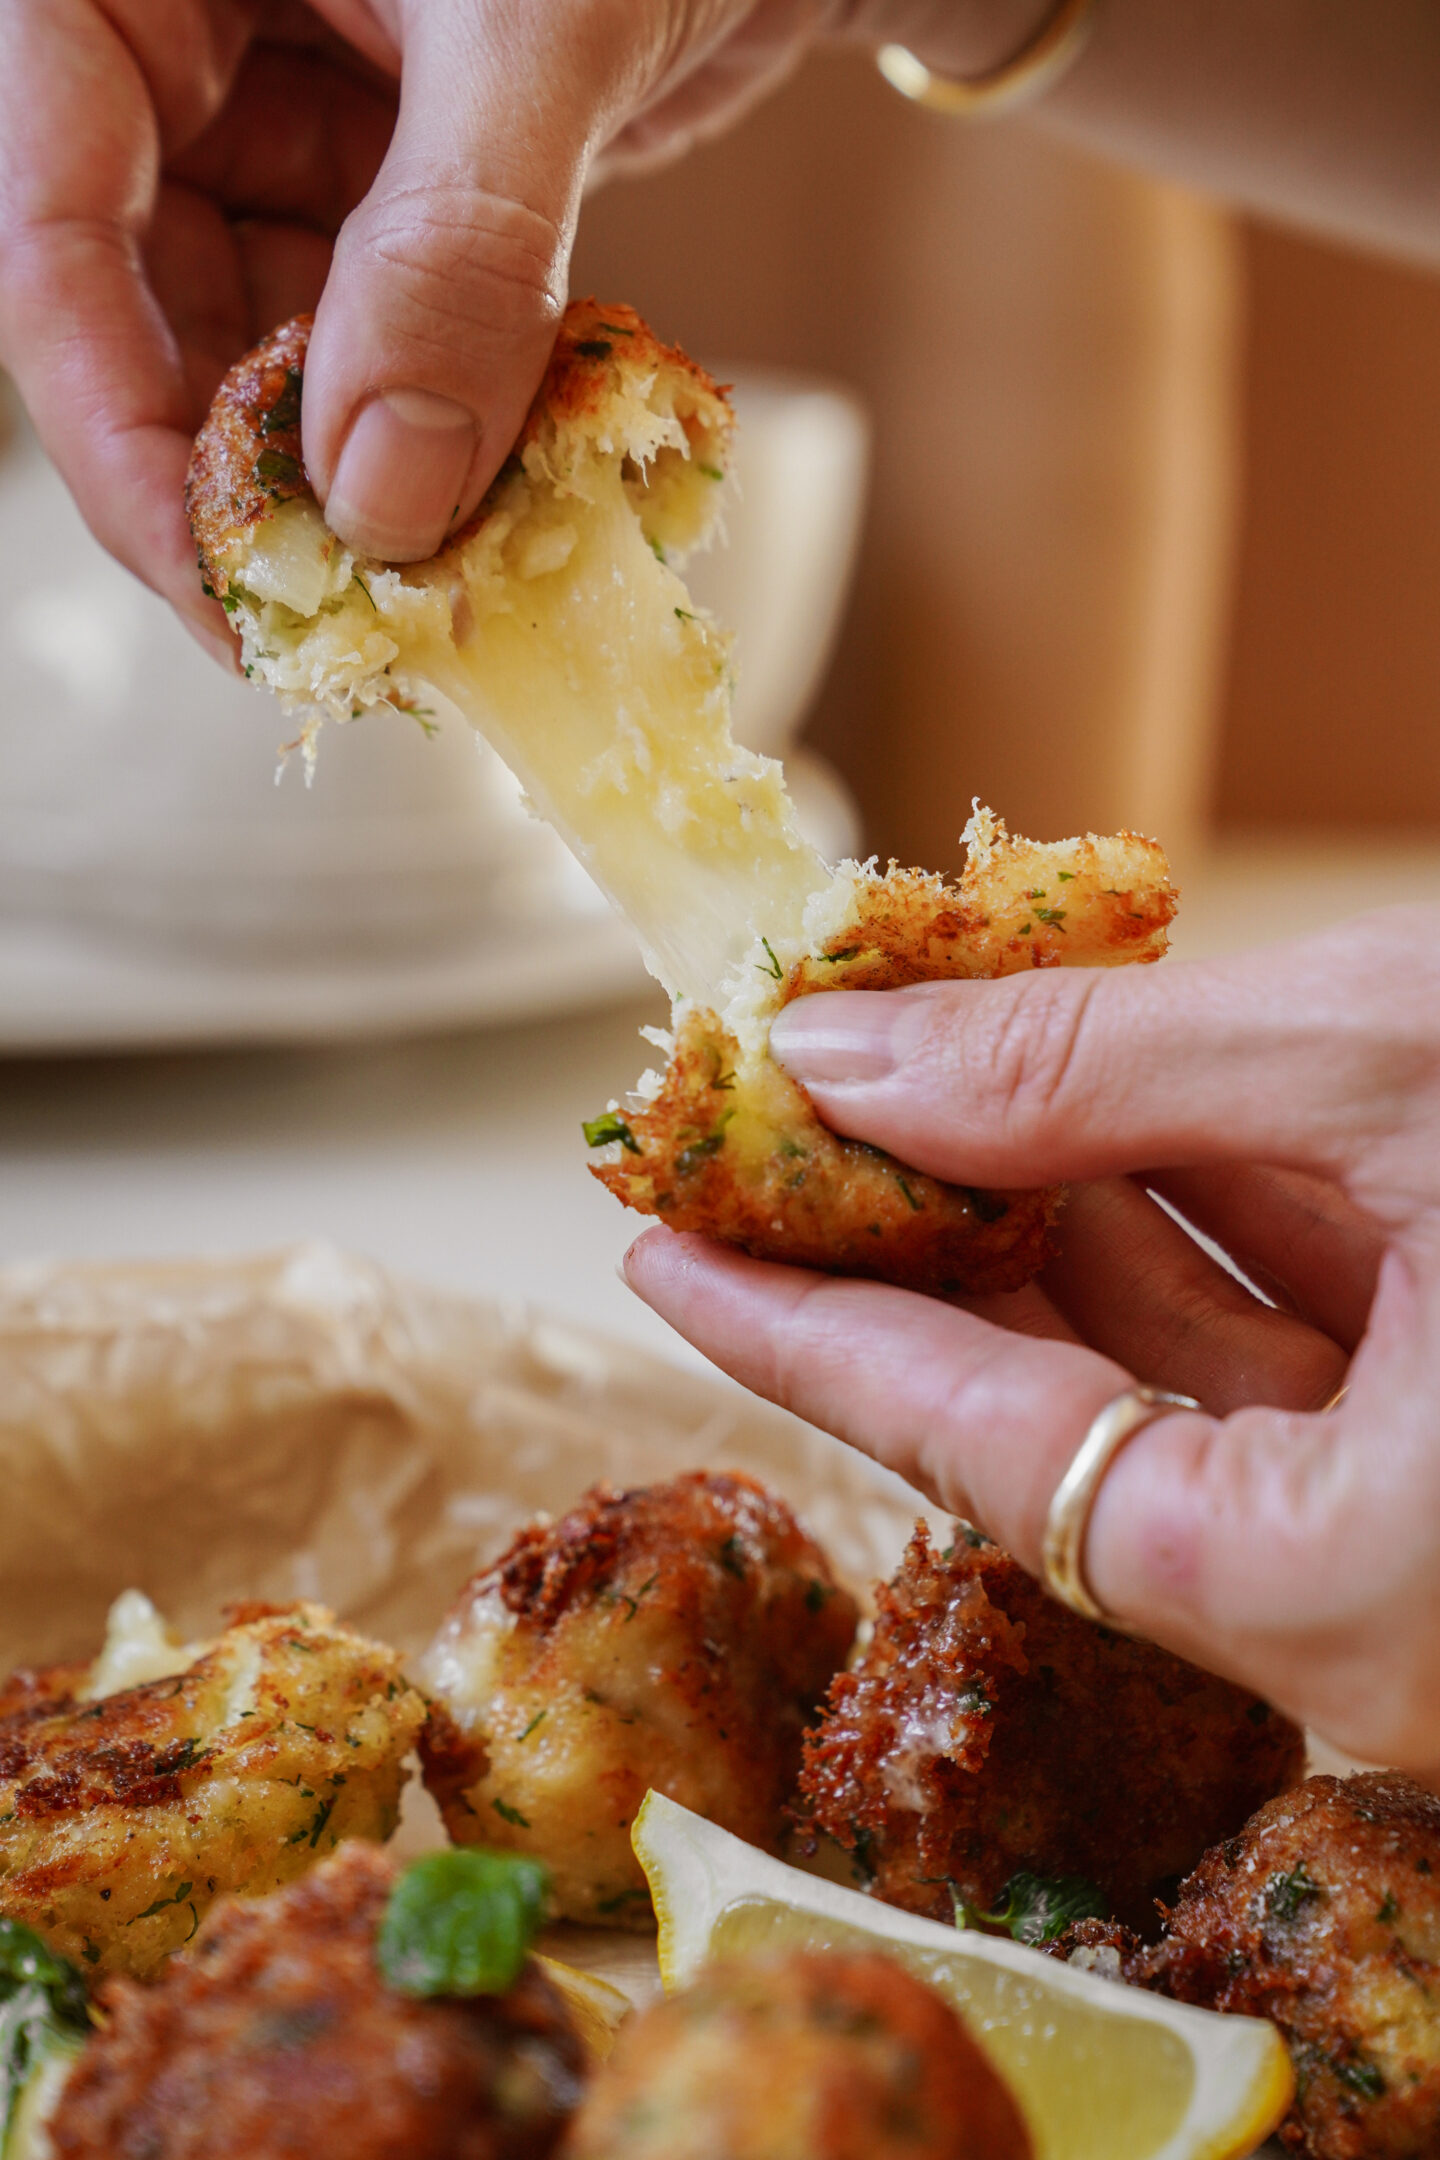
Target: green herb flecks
{"type": "Point", "coordinates": [732, 1556]}
{"type": "Point", "coordinates": [818, 1594]}
{"type": "Point", "coordinates": [461, 1922]}
{"type": "Point", "coordinates": [846, 952]}
{"type": "Point", "coordinates": [975, 1702]}
{"type": "Point", "coordinates": [1389, 1909]}
{"type": "Point", "coordinates": [1285, 1895]}
{"type": "Point", "coordinates": [163, 1904]}
{"type": "Point", "coordinates": [656, 550]}
{"type": "Point", "coordinates": [538, 1718]}
{"type": "Point", "coordinates": [1053, 916]}
{"type": "Point", "coordinates": [1035, 1908]}
{"type": "Point", "coordinates": [509, 1814]}
{"type": "Point", "coordinates": [594, 348]}
{"type": "Point", "coordinates": [613, 329]}
{"type": "Point", "coordinates": [1364, 2078]}
{"type": "Point", "coordinates": [711, 472]}
{"type": "Point", "coordinates": [356, 579]}
{"type": "Point", "coordinates": [600, 1131]}
{"type": "Point", "coordinates": [621, 1899]}
{"type": "Point", "coordinates": [1065, 877]}
{"type": "Point", "coordinates": [915, 1204]}
{"type": "Point", "coordinates": [284, 414]}
{"type": "Point", "coordinates": [697, 1152]}
{"type": "Point", "coordinates": [43, 2011]}
{"type": "Point", "coordinates": [276, 469]}
{"type": "Point", "coordinates": [774, 969]}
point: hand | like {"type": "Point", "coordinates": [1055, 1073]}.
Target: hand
{"type": "Point", "coordinates": [1288, 1104]}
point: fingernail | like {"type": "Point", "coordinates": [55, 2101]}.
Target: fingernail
{"type": "Point", "coordinates": [401, 474]}
{"type": "Point", "coordinates": [844, 1035]}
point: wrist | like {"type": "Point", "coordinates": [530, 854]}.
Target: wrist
{"type": "Point", "coordinates": [958, 38]}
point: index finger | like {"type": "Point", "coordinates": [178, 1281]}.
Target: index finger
{"type": "Point", "coordinates": [80, 331]}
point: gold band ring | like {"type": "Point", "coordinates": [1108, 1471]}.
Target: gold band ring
{"type": "Point", "coordinates": [1063, 1553]}
{"type": "Point", "coordinates": [1054, 49]}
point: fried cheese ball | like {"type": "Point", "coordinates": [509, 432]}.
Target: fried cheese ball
{"type": "Point", "coordinates": [556, 623]}
{"type": "Point", "coordinates": [274, 2037]}
{"type": "Point", "coordinates": [123, 1816]}
{"type": "Point", "coordinates": [987, 1732]}
{"type": "Point", "coordinates": [804, 2056]}
{"type": "Point", "coordinates": [730, 1145]}
{"type": "Point", "coordinates": [1323, 1915]}
{"type": "Point", "coordinates": [679, 1635]}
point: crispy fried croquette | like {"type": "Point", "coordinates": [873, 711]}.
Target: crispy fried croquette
{"type": "Point", "coordinates": [676, 1636]}
{"type": "Point", "coordinates": [986, 1733]}
{"type": "Point", "coordinates": [274, 2037]}
{"type": "Point", "coordinates": [1323, 1914]}
{"type": "Point", "coordinates": [805, 2056]}
{"type": "Point", "coordinates": [556, 623]}
{"type": "Point", "coordinates": [730, 1145]}
{"type": "Point", "coordinates": [123, 1816]}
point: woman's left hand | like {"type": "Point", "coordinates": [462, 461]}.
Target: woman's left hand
{"type": "Point", "coordinates": [1287, 1103]}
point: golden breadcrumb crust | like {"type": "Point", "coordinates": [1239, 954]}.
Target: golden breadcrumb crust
{"type": "Point", "coordinates": [805, 2056]}
{"type": "Point", "coordinates": [275, 2035]}
{"type": "Point", "coordinates": [987, 1731]}
{"type": "Point", "coordinates": [248, 457]}
{"type": "Point", "coordinates": [735, 1150]}
{"type": "Point", "coordinates": [1323, 1915]}
{"type": "Point", "coordinates": [122, 1820]}
{"type": "Point", "coordinates": [677, 1636]}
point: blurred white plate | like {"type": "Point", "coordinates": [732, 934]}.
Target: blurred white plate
{"type": "Point", "coordinates": [158, 888]}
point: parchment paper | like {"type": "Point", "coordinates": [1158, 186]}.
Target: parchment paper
{"type": "Point", "coordinates": [302, 1424]}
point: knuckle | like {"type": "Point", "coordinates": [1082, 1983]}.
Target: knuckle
{"type": "Point", "coordinates": [463, 260]}
{"type": "Point", "coordinates": [1028, 1063]}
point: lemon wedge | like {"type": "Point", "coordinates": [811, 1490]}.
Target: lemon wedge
{"type": "Point", "coordinates": [598, 2009]}
{"type": "Point", "coordinates": [1101, 2071]}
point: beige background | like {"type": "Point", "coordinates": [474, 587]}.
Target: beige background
{"type": "Point", "coordinates": [1156, 526]}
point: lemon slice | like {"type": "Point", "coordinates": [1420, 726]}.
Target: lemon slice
{"type": "Point", "coordinates": [598, 2009]}
{"type": "Point", "coordinates": [1102, 2072]}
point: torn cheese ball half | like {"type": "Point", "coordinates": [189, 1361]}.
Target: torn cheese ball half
{"type": "Point", "coordinates": [136, 1790]}
{"type": "Point", "coordinates": [556, 622]}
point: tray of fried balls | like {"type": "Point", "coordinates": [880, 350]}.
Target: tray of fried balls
{"type": "Point", "coordinates": [206, 1947]}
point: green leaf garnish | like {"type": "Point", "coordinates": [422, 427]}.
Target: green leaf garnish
{"type": "Point", "coordinates": [711, 472]}
{"type": "Point", "coordinates": [1036, 1908]}
{"type": "Point", "coordinates": [774, 968]}
{"type": "Point", "coordinates": [284, 414]}
{"type": "Point", "coordinates": [600, 1131]}
{"type": "Point", "coordinates": [461, 1922]}
{"type": "Point", "coordinates": [44, 2007]}
{"type": "Point", "coordinates": [1285, 1894]}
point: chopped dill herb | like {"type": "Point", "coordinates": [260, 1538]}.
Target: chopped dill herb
{"type": "Point", "coordinates": [700, 1151]}
{"type": "Point", "coordinates": [275, 469]}
{"type": "Point", "coordinates": [600, 1131]}
{"type": "Point", "coordinates": [1065, 877]}
{"type": "Point", "coordinates": [322, 1815]}
{"type": "Point", "coordinates": [1052, 915]}
{"type": "Point", "coordinates": [774, 968]}
{"type": "Point", "coordinates": [162, 1904]}
{"type": "Point", "coordinates": [847, 952]}
{"type": "Point", "coordinates": [510, 1814]}
{"type": "Point", "coordinates": [732, 1556]}
{"type": "Point", "coordinates": [356, 579]}
{"type": "Point", "coordinates": [1285, 1894]}
{"type": "Point", "coordinates": [684, 614]}
{"type": "Point", "coordinates": [711, 472]}
{"type": "Point", "coordinates": [284, 414]}
{"type": "Point", "coordinates": [614, 329]}
{"type": "Point", "coordinates": [917, 1205]}
{"type": "Point", "coordinates": [655, 548]}
{"type": "Point", "coordinates": [1360, 2077]}
{"type": "Point", "coordinates": [539, 1715]}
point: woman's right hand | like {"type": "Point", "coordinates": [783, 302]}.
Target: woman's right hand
{"type": "Point", "coordinates": [177, 176]}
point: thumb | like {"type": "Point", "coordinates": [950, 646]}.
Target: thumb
{"type": "Point", "coordinates": [449, 278]}
{"type": "Point", "coordinates": [1322, 1055]}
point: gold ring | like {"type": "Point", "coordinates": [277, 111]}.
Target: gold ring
{"type": "Point", "coordinates": [1063, 1553]}
{"type": "Point", "coordinates": [1027, 75]}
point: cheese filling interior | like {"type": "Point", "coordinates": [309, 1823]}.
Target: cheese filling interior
{"type": "Point", "coordinates": [563, 632]}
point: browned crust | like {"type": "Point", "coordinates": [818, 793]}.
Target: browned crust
{"type": "Point", "coordinates": [1082, 1753]}
{"type": "Point", "coordinates": [276, 2035]}
{"type": "Point", "coordinates": [710, 1576]}
{"type": "Point", "coordinates": [803, 1194]}
{"type": "Point", "coordinates": [1323, 1914]}
{"type": "Point", "coordinates": [835, 2055]}
{"type": "Point", "coordinates": [248, 455]}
